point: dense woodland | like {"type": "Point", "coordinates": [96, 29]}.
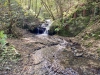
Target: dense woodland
{"type": "Point", "coordinates": [75, 21]}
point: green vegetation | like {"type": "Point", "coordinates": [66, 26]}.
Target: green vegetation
{"type": "Point", "coordinates": [70, 17]}
{"type": "Point", "coordinates": [7, 52]}
{"type": "Point", "coordinates": [94, 34]}
{"type": "Point", "coordinates": [2, 39]}
{"type": "Point", "coordinates": [85, 15]}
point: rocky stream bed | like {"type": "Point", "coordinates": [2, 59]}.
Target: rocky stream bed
{"type": "Point", "coordinates": [52, 55]}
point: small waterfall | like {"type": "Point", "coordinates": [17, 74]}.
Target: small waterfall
{"type": "Point", "coordinates": [46, 25]}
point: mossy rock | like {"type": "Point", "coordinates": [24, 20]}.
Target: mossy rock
{"type": "Point", "coordinates": [55, 25]}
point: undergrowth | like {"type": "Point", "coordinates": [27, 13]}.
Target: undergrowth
{"type": "Point", "coordinates": [8, 53]}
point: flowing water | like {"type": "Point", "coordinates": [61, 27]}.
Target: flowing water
{"type": "Point", "coordinates": [60, 57]}
{"type": "Point", "coordinates": [45, 25]}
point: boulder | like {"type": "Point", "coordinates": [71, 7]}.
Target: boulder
{"type": "Point", "coordinates": [38, 30]}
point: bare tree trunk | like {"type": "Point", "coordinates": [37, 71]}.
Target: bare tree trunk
{"type": "Point", "coordinates": [84, 12]}
{"type": "Point", "coordinates": [29, 4]}
{"type": "Point", "coordinates": [9, 6]}
{"type": "Point", "coordinates": [57, 8]}
{"type": "Point", "coordinates": [75, 15]}
{"type": "Point", "coordinates": [38, 13]}
{"type": "Point", "coordinates": [10, 25]}
{"type": "Point", "coordinates": [32, 5]}
{"type": "Point", "coordinates": [60, 7]}
{"type": "Point", "coordinates": [48, 9]}
{"type": "Point", "coordinates": [25, 2]}
{"type": "Point", "coordinates": [35, 7]}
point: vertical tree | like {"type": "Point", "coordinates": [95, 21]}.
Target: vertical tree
{"type": "Point", "coordinates": [29, 4]}
{"type": "Point", "coordinates": [35, 7]}
{"type": "Point", "coordinates": [48, 9]}
{"type": "Point", "coordinates": [60, 3]}
{"type": "Point", "coordinates": [10, 25]}
{"type": "Point", "coordinates": [56, 7]}
{"type": "Point", "coordinates": [9, 5]}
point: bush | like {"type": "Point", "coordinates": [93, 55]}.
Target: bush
{"type": "Point", "coordinates": [96, 34]}
{"type": "Point", "coordinates": [7, 52]}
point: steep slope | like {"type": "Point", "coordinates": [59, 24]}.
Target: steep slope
{"type": "Point", "coordinates": [89, 29]}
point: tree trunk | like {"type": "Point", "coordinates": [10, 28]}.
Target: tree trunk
{"type": "Point", "coordinates": [47, 8]}
{"type": "Point", "coordinates": [75, 15]}
{"type": "Point", "coordinates": [10, 25]}
{"type": "Point", "coordinates": [38, 13]}
{"type": "Point", "coordinates": [32, 5]}
{"type": "Point", "coordinates": [29, 4]}
{"type": "Point", "coordinates": [9, 6]}
{"type": "Point", "coordinates": [61, 11]}
{"type": "Point", "coordinates": [57, 8]}
{"type": "Point", "coordinates": [35, 7]}
{"type": "Point", "coordinates": [84, 12]}
{"type": "Point", "coordinates": [60, 8]}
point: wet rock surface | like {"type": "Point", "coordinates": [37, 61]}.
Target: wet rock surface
{"type": "Point", "coordinates": [53, 55]}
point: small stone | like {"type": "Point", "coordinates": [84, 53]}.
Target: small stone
{"type": "Point", "coordinates": [78, 54]}
{"type": "Point", "coordinates": [8, 68]}
{"type": "Point", "coordinates": [73, 48]}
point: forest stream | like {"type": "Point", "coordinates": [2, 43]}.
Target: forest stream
{"type": "Point", "coordinates": [52, 55]}
{"type": "Point", "coordinates": [49, 37]}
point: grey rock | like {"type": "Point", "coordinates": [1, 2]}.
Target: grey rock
{"type": "Point", "coordinates": [78, 54]}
